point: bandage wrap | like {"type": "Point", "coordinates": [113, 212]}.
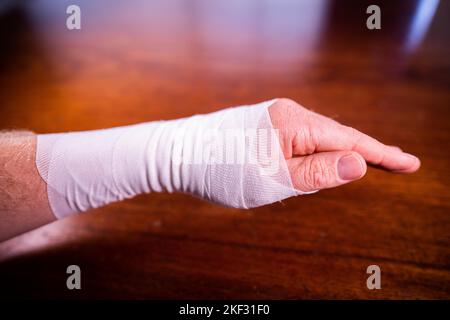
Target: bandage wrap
{"type": "Point", "coordinates": [231, 157]}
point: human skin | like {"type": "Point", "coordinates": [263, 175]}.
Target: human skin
{"type": "Point", "coordinates": [313, 145]}
{"type": "Point", "coordinates": [23, 194]}
{"type": "Point", "coordinates": [320, 154]}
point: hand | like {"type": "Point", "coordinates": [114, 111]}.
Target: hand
{"type": "Point", "coordinates": [321, 153]}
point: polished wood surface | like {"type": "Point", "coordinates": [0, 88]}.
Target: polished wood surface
{"type": "Point", "coordinates": [136, 61]}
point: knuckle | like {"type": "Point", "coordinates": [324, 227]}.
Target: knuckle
{"type": "Point", "coordinates": [380, 156]}
{"type": "Point", "coordinates": [317, 175]}
{"type": "Point", "coordinates": [289, 107]}
{"type": "Point", "coordinates": [288, 102]}
{"type": "Point", "coordinates": [306, 139]}
{"type": "Point", "coordinates": [354, 136]}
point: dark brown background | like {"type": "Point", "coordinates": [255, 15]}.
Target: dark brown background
{"type": "Point", "coordinates": [137, 61]}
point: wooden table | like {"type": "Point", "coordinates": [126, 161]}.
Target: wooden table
{"type": "Point", "coordinates": [135, 61]}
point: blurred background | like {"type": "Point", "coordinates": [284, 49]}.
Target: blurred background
{"type": "Point", "coordinates": [135, 61]}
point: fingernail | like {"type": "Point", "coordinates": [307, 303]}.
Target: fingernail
{"type": "Point", "coordinates": [349, 167]}
{"type": "Point", "coordinates": [411, 156]}
{"type": "Point", "coordinates": [410, 159]}
{"type": "Point", "coordinates": [415, 162]}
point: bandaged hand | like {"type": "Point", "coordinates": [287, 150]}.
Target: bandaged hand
{"type": "Point", "coordinates": [322, 153]}
{"type": "Point", "coordinates": [240, 157]}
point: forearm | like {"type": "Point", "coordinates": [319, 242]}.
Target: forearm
{"type": "Point", "coordinates": [231, 157]}
{"type": "Point", "coordinates": [23, 193]}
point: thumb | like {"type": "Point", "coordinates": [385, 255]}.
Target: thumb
{"type": "Point", "coordinates": [326, 170]}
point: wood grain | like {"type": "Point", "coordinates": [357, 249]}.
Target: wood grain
{"type": "Point", "coordinates": [139, 61]}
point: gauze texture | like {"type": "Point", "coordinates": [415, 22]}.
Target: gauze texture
{"type": "Point", "coordinates": [231, 157]}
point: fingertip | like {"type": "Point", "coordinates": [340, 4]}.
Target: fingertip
{"type": "Point", "coordinates": [411, 164]}
{"type": "Point", "coordinates": [351, 166]}
{"type": "Point", "coordinates": [362, 162]}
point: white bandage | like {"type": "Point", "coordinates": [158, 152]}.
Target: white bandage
{"type": "Point", "coordinates": [231, 157]}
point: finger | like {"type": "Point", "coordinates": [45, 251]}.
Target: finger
{"type": "Point", "coordinates": [328, 135]}
{"type": "Point", "coordinates": [326, 170]}
{"type": "Point", "coordinates": [380, 154]}
{"type": "Point", "coordinates": [396, 148]}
